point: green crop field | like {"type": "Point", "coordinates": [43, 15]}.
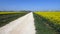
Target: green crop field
{"type": "Point", "coordinates": [47, 22]}
{"type": "Point", "coordinates": [6, 17]}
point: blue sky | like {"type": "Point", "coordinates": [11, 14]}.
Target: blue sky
{"type": "Point", "coordinates": [30, 5]}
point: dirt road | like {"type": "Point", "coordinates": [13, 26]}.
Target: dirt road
{"type": "Point", "coordinates": [22, 25]}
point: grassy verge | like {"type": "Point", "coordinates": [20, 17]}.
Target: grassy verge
{"type": "Point", "coordinates": [42, 27]}
{"type": "Point", "coordinates": [6, 17]}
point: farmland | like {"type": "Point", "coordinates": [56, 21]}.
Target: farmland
{"type": "Point", "coordinates": [45, 22]}
{"type": "Point", "coordinates": [48, 20]}
{"type": "Point", "coordinates": [6, 17]}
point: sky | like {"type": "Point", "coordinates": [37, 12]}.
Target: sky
{"type": "Point", "coordinates": [33, 5]}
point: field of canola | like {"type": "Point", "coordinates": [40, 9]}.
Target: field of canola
{"type": "Point", "coordinates": [52, 19]}
{"type": "Point", "coordinates": [52, 16]}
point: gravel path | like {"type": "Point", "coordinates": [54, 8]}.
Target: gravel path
{"type": "Point", "coordinates": [22, 25]}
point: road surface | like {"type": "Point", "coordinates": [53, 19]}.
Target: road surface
{"type": "Point", "coordinates": [22, 25]}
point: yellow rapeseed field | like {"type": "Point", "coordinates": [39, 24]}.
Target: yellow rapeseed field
{"type": "Point", "coordinates": [52, 16]}
{"type": "Point", "coordinates": [11, 12]}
